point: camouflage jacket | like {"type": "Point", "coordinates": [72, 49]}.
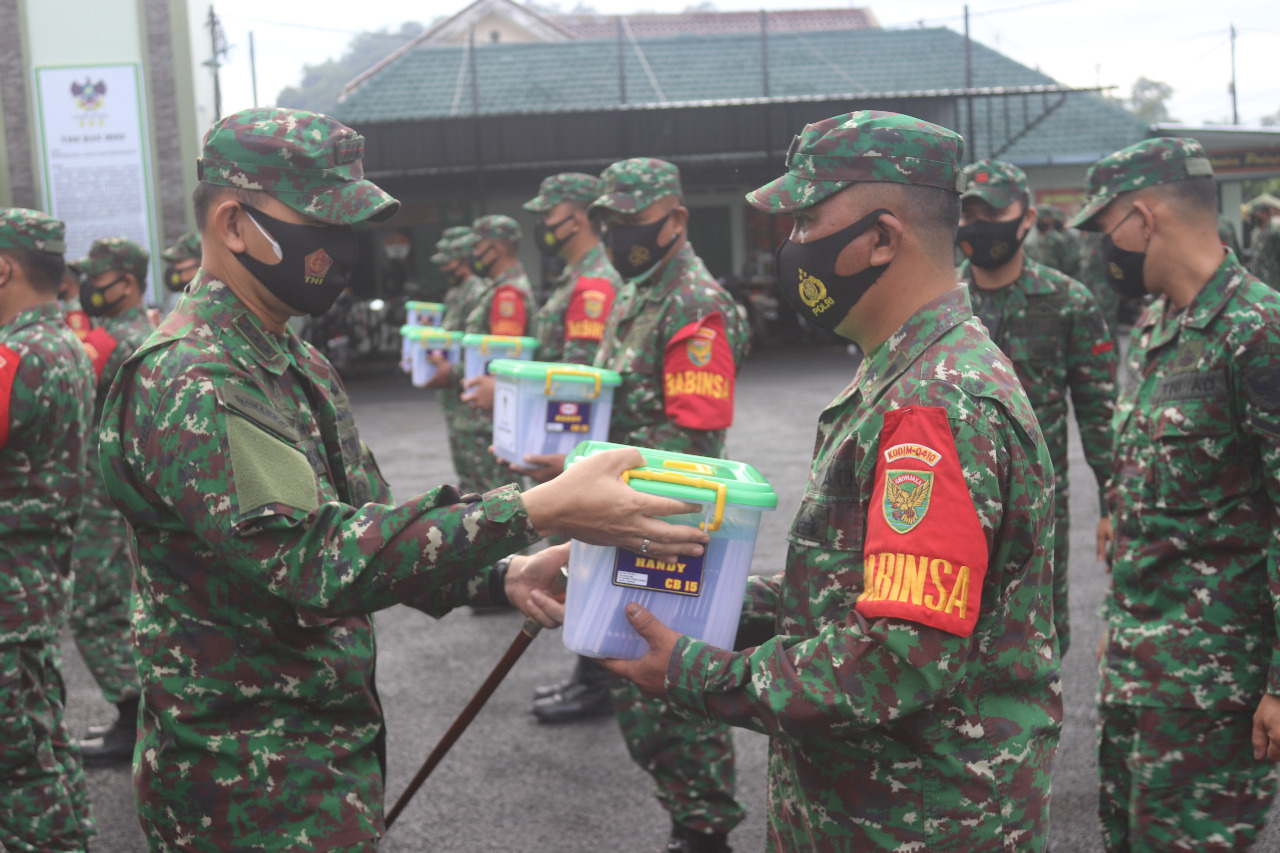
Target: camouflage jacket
{"type": "Point", "coordinates": [262, 544]}
{"type": "Point", "coordinates": [1193, 494]}
{"type": "Point", "coordinates": [896, 732]}
{"type": "Point", "coordinates": [644, 341]}
{"type": "Point", "coordinates": [570, 325]}
{"type": "Point", "coordinates": [1056, 250]}
{"type": "Point", "coordinates": [1052, 330]}
{"type": "Point", "coordinates": [460, 301]}
{"type": "Point", "coordinates": [504, 306]}
{"type": "Point", "coordinates": [1265, 262]}
{"type": "Point", "coordinates": [46, 397]}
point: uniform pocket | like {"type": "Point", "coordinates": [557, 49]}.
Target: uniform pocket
{"type": "Point", "coordinates": [1200, 460]}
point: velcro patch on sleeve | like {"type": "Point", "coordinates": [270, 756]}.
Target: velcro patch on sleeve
{"type": "Point", "coordinates": [698, 375]}
{"type": "Point", "coordinates": [9, 361]}
{"type": "Point", "coordinates": [507, 313]}
{"type": "Point", "coordinates": [925, 556]}
{"type": "Point", "coordinates": [99, 343]}
{"type": "Point", "coordinates": [589, 306]}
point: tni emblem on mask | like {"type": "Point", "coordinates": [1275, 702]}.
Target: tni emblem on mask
{"type": "Point", "coordinates": [1116, 272]}
{"type": "Point", "coordinates": [699, 347]}
{"type": "Point", "coordinates": [317, 266]}
{"type": "Point", "coordinates": [906, 498]}
{"type": "Point", "coordinates": [638, 256]}
{"type": "Point", "coordinates": [814, 293]}
{"type": "Point", "coordinates": [999, 250]}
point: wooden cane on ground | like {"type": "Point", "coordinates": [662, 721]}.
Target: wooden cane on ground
{"type": "Point", "coordinates": [528, 631]}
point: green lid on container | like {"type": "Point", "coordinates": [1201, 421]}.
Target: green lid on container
{"type": "Point", "coordinates": [429, 307]}
{"type": "Point", "coordinates": [430, 335]}
{"type": "Point", "coordinates": [541, 371]}
{"type": "Point", "coordinates": [690, 478]}
{"type": "Point", "coordinates": [499, 343]}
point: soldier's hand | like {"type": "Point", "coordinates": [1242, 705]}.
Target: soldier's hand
{"type": "Point", "coordinates": [1266, 729]}
{"type": "Point", "coordinates": [1106, 540]}
{"type": "Point", "coordinates": [530, 578]}
{"type": "Point", "coordinates": [649, 672]}
{"type": "Point", "coordinates": [478, 393]}
{"type": "Point", "coordinates": [542, 467]}
{"type": "Point", "coordinates": [444, 372]}
{"type": "Point", "coordinates": [591, 503]}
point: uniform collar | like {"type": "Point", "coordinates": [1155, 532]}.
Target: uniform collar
{"type": "Point", "coordinates": [590, 260]}
{"type": "Point", "coordinates": [905, 346]}
{"type": "Point", "coordinates": [510, 276]}
{"type": "Point", "coordinates": [211, 303]}
{"type": "Point", "coordinates": [127, 317]}
{"type": "Point", "coordinates": [1030, 281]}
{"type": "Point", "coordinates": [45, 312]}
{"type": "Point", "coordinates": [1165, 322]}
{"type": "Point", "coordinates": [656, 286]}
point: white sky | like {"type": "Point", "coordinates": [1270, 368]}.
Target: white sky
{"type": "Point", "coordinates": [1183, 43]}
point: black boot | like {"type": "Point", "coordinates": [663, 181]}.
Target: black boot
{"type": "Point", "coordinates": [113, 744]}
{"type": "Point", "coordinates": [579, 666]}
{"type": "Point", "coordinates": [584, 695]}
{"type": "Point", "coordinates": [685, 840]}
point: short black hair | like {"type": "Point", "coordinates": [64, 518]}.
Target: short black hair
{"type": "Point", "coordinates": [1193, 195]}
{"type": "Point", "coordinates": [932, 210]}
{"type": "Point", "coordinates": [205, 194]}
{"type": "Point", "coordinates": [43, 269]}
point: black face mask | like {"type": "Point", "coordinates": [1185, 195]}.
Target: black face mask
{"type": "Point", "coordinates": [807, 274]}
{"type": "Point", "coordinates": [92, 300]}
{"type": "Point", "coordinates": [545, 236]}
{"type": "Point", "coordinates": [633, 249]}
{"type": "Point", "coordinates": [314, 266]}
{"type": "Point", "coordinates": [1123, 268]}
{"type": "Point", "coordinates": [989, 244]}
{"type": "Point", "coordinates": [482, 267]}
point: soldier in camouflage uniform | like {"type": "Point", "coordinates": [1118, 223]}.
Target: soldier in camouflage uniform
{"type": "Point", "coordinates": [912, 689]}
{"type": "Point", "coordinates": [46, 391]}
{"type": "Point", "coordinates": [113, 282]}
{"type": "Point", "coordinates": [1190, 644]}
{"type": "Point", "coordinates": [569, 328]}
{"type": "Point", "coordinates": [676, 336]}
{"type": "Point", "coordinates": [182, 259]}
{"type": "Point", "coordinates": [264, 536]}
{"type": "Point", "coordinates": [1264, 261]}
{"type": "Point", "coordinates": [1051, 329]}
{"type": "Point", "coordinates": [1051, 246]}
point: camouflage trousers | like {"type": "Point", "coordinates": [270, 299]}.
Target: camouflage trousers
{"type": "Point", "coordinates": [1178, 779]}
{"type": "Point", "coordinates": [100, 600]}
{"type": "Point", "coordinates": [692, 764]}
{"type": "Point", "coordinates": [44, 804]}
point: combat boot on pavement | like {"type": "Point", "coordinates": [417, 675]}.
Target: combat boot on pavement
{"type": "Point", "coordinates": [584, 695]}
{"type": "Point", "coordinates": [685, 840]}
{"type": "Point", "coordinates": [113, 744]}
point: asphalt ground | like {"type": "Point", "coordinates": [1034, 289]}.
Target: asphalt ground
{"type": "Point", "coordinates": [511, 784]}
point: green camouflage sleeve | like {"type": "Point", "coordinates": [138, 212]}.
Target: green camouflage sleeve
{"type": "Point", "coordinates": [1266, 258]}
{"type": "Point", "coordinates": [1091, 376]}
{"type": "Point", "coordinates": [183, 460]}
{"type": "Point", "coordinates": [859, 673]}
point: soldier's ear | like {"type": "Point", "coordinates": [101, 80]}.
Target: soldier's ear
{"type": "Point", "coordinates": [6, 270]}
{"type": "Point", "coordinates": [230, 225]}
{"type": "Point", "coordinates": [888, 239]}
{"type": "Point", "coordinates": [679, 218]}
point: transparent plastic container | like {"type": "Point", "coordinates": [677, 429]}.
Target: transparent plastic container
{"type": "Point", "coordinates": [698, 596]}
{"type": "Point", "coordinates": [544, 407]}
{"type": "Point", "coordinates": [423, 313]}
{"type": "Point", "coordinates": [479, 350]}
{"type": "Point", "coordinates": [425, 341]}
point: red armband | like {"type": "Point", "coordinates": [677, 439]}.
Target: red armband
{"type": "Point", "coordinates": [925, 556]}
{"type": "Point", "coordinates": [9, 361]}
{"type": "Point", "coordinates": [99, 343]}
{"type": "Point", "coordinates": [80, 323]}
{"type": "Point", "coordinates": [698, 375]}
{"type": "Point", "coordinates": [589, 305]}
{"type": "Point", "coordinates": [507, 312]}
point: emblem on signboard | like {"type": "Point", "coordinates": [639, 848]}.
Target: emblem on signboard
{"type": "Point", "coordinates": [88, 94]}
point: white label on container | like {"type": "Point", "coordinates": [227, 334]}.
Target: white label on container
{"type": "Point", "coordinates": [504, 415]}
{"type": "Point", "coordinates": [633, 579]}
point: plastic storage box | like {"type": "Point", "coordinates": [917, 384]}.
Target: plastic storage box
{"type": "Point", "coordinates": [423, 341]}
{"type": "Point", "coordinates": [479, 350]}
{"type": "Point", "coordinates": [544, 407]}
{"type": "Point", "coordinates": [423, 313]}
{"type": "Point", "coordinates": [698, 596]}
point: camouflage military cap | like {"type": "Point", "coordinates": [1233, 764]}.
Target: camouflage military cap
{"type": "Point", "coordinates": [187, 248]}
{"type": "Point", "coordinates": [21, 228]}
{"type": "Point", "coordinates": [996, 182]}
{"type": "Point", "coordinates": [1148, 163]}
{"type": "Point", "coordinates": [630, 186]}
{"type": "Point", "coordinates": [451, 250]}
{"type": "Point", "coordinates": [1053, 214]}
{"type": "Point", "coordinates": [567, 186]}
{"type": "Point", "coordinates": [455, 231]}
{"type": "Point", "coordinates": [310, 162]}
{"type": "Point", "coordinates": [496, 227]}
{"type": "Point", "coordinates": [867, 146]}
{"type": "Point", "coordinates": [114, 254]}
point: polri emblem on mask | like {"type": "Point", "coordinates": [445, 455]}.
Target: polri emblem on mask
{"type": "Point", "coordinates": [814, 293]}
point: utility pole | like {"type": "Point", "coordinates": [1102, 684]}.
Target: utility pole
{"type": "Point", "coordinates": [253, 69]}
{"type": "Point", "coordinates": [217, 49]}
{"type": "Point", "coordinates": [1235, 112]}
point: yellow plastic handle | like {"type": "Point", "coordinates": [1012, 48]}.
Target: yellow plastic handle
{"type": "Point", "coordinates": [484, 345]}
{"type": "Point", "coordinates": [695, 467]}
{"type": "Point", "coordinates": [573, 371]}
{"type": "Point", "coordinates": [685, 480]}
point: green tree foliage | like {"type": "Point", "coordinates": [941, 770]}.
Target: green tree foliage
{"type": "Point", "coordinates": [321, 84]}
{"type": "Point", "coordinates": [1148, 100]}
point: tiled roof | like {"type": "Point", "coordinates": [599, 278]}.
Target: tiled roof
{"type": "Point", "coordinates": [717, 23]}
{"type": "Point", "coordinates": [520, 79]}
